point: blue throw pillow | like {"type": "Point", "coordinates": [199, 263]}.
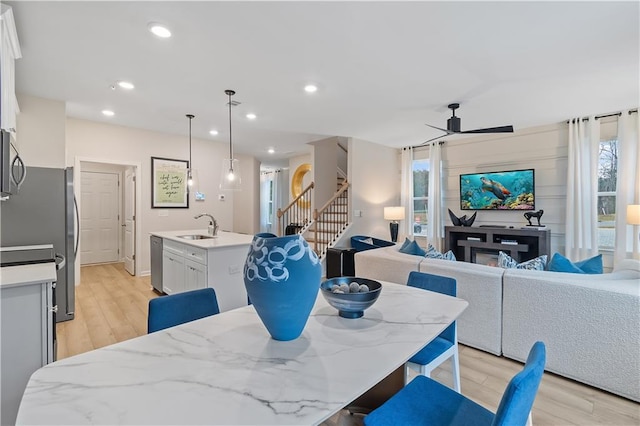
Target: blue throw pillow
{"type": "Point", "coordinates": [405, 244]}
{"type": "Point", "coordinates": [507, 262]}
{"type": "Point", "coordinates": [559, 263]}
{"type": "Point", "coordinates": [432, 253]}
{"type": "Point", "coordinates": [413, 248]}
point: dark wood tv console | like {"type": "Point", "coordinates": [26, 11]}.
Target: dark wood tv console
{"type": "Point", "coordinates": [525, 244]}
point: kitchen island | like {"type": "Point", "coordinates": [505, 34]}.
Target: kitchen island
{"type": "Point", "coordinates": [192, 260]}
{"type": "Point", "coordinates": [226, 370]}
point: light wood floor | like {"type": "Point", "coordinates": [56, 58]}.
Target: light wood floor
{"type": "Point", "coordinates": [111, 306]}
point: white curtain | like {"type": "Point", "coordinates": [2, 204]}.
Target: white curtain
{"type": "Point", "coordinates": [581, 238]}
{"type": "Point", "coordinates": [406, 191]}
{"type": "Point", "coordinates": [435, 229]}
{"type": "Point", "coordinates": [628, 184]}
{"type": "Point", "coordinates": [265, 179]}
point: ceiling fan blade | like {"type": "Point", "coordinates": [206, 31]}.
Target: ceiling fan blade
{"type": "Point", "coordinates": [501, 129]}
{"type": "Point", "coordinates": [438, 128]}
{"type": "Point", "coordinates": [433, 139]}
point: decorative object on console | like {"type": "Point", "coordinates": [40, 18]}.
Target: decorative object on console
{"type": "Point", "coordinates": [507, 262]}
{"type": "Point", "coordinates": [192, 174]}
{"type": "Point", "coordinates": [230, 179]}
{"type": "Point", "coordinates": [508, 190]}
{"type": "Point", "coordinates": [537, 215]}
{"type": "Point", "coordinates": [394, 214]}
{"type": "Point", "coordinates": [282, 277]}
{"type": "Point", "coordinates": [432, 253]}
{"type": "Point", "coordinates": [462, 220]}
{"type": "Point", "coordinates": [559, 263]}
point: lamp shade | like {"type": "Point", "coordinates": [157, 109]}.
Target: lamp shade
{"type": "Point", "coordinates": [394, 213]}
{"type": "Point", "coordinates": [633, 214]}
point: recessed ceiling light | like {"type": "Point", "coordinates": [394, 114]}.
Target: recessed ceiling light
{"type": "Point", "coordinates": [251, 116]}
{"type": "Point", "coordinates": [108, 113]}
{"type": "Point", "coordinates": [126, 85]}
{"type": "Point", "coordinates": [159, 30]}
{"type": "Point", "coordinates": [271, 150]}
{"type": "Point", "coordinates": [213, 132]}
{"type": "Point", "coordinates": [310, 88]}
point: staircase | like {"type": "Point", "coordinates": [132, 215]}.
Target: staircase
{"type": "Point", "coordinates": [330, 221]}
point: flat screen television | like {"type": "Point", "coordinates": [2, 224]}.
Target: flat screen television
{"type": "Point", "coordinates": [509, 190]}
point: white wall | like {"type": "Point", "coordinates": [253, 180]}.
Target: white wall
{"type": "Point", "coordinates": [41, 132]}
{"type": "Point", "coordinates": [102, 142]}
{"type": "Point", "coordinates": [325, 170]}
{"type": "Point", "coordinates": [374, 173]}
{"type": "Point", "coordinates": [246, 202]}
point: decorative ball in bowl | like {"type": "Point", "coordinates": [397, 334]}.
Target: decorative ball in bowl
{"type": "Point", "coordinates": [350, 295]}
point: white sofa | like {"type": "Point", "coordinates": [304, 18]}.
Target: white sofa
{"type": "Point", "coordinates": [589, 323]}
{"type": "Point", "coordinates": [480, 325]}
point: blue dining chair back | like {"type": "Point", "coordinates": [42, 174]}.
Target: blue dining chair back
{"type": "Point", "coordinates": [426, 402]}
{"type": "Point", "coordinates": [445, 345]}
{"type": "Point", "coordinates": [175, 309]}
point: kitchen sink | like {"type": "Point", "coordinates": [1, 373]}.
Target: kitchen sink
{"type": "Point", "coordinates": [195, 237]}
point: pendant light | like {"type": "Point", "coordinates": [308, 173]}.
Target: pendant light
{"type": "Point", "coordinates": [192, 174]}
{"type": "Point", "coordinates": [230, 175]}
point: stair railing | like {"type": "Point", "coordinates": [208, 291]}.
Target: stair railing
{"type": "Point", "coordinates": [297, 213]}
{"type": "Point", "coordinates": [331, 220]}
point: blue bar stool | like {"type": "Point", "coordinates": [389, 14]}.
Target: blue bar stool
{"type": "Point", "coordinates": [175, 309]}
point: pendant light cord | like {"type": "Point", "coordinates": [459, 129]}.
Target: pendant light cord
{"type": "Point", "coordinates": [190, 117]}
{"type": "Point", "coordinates": [230, 93]}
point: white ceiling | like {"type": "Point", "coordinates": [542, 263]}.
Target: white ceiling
{"type": "Point", "coordinates": [384, 68]}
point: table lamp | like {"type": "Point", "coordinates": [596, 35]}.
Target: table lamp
{"type": "Point", "coordinates": [394, 214]}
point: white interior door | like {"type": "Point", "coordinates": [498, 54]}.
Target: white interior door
{"type": "Point", "coordinates": [99, 221]}
{"type": "Point", "coordinates": [129, 221]}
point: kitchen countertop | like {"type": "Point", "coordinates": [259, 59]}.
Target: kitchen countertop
{"type": "Point", "coordinates": [13, 276]}
{"type": "Point", "coordinates": [226, 369]}
{"type": "Point", "coordinates": [223, 239]}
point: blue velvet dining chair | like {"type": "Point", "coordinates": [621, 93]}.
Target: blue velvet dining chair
{"type": "Point", "coordinates": [445, 345]}
{"type": "Point", "coordinates": [175, 309]}
{"type": "Point", "coordinates": [426, 402]}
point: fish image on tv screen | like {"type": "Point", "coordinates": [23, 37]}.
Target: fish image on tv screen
{"type": "Point", "coordinates": [508, 190]}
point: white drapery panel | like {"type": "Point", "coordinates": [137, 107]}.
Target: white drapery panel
{"type": "Point", "coordinates": [268, 211]}
{"type": "Point", "coordinates": [265, 180]}
{"type": "Point", "coordinates": [435, 229]}
{"type": "Point", "coordinates": [406, 191]}
{"type": "Point", "coordinates": [581, 237]}
{"type": "Point", "coordinates": [628, 184]}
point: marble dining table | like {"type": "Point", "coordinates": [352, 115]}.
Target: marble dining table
{"type": "Point", "coordinates": [226, 369]}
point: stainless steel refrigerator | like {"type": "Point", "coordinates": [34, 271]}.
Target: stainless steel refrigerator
{"type": "Point", "coordinates": [43, 211]}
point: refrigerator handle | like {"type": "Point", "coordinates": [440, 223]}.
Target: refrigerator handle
{"type": "Point", "coordinates": [60, 261]}
{"type": "Point", "coordinates": [76, 226]}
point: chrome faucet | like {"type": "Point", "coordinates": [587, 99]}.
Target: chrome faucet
{"type": "Point", "coordinates": [212, 229]}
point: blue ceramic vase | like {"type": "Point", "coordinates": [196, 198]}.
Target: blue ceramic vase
{"type": "Point", "coordinates": [282, 278]}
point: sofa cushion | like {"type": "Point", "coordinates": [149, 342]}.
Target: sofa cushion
{"type": "Point", "coordinates": [507, 262]}
{"type": "Point", "coordinates": [362, 242]}
{"type": "Point", "coordinates": [412, 248]}
{"type": "Point", "coordinates": [432, 253]}
{"type": "Point", "coordinates": [559, 263]}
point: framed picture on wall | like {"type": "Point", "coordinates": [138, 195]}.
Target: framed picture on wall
{"type": "Point", "coordinates": [169, 183]}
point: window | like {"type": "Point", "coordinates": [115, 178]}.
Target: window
{"type": "Point", "coordinates": [270, 219]}
{"type": "Point", "coordinates": [420, 196]}
{"type": "Point", "coordinates": [607, 177]}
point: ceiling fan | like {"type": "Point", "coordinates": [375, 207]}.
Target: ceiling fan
{"type": "Point", "coordinates": [453, 126]}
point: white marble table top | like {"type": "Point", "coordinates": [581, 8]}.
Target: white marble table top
{"type": "Point", "coordinates": [226, 369]}
{"type": "Point", "coordinates": [223, 239]}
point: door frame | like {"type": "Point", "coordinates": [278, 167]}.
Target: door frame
{"type": "Point", "coordinates": [77, 169]}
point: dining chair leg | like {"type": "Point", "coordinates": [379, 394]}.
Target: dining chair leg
{"type": "Point", "coordinates": [529, 420]}
{"type": "Point", "coordinates": [455, 368]}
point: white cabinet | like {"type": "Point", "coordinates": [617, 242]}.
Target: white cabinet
{"type": "Point", "coordinates": [183, 267]}
{"type": "Point", "coordinates": [26, 331]}
{"type": "Point", "coordinates": [9, 52]}
{"type": "Point", "coordinates": [215, 263]}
